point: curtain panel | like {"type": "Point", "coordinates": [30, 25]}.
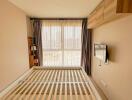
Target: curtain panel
{"type": "Point", "coordinates": [61, 42]}
{"type": "Point", "coordinates": [37, 40]}
{"type": "Point", "coordinates": [86, 47]}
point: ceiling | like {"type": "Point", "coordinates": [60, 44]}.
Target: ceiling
{"type": "Point", "coordinates": [57, 8]}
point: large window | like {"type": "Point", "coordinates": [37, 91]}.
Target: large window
{"type": "Point", "coordinates": [61, 41]}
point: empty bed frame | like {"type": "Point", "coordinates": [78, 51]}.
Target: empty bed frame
{"type": "Point", "coordinates": [52, 83]}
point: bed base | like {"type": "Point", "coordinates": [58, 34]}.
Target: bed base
{"type": "Point", "coordinates": [52, 83]}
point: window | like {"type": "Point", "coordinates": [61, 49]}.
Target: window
{"type": "Point", "coordinates": [61, 42]}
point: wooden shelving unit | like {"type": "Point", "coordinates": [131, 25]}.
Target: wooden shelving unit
{"type": "Point", "coordinates": [33, 60]}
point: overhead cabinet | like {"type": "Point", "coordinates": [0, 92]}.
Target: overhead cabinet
{"type": "Point", "coordinates": [106, 11]}
{"type": "Point", "coordinates": [124, 6]}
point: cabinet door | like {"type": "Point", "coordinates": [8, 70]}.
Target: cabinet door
{"type": "Point", "coordinates": [97, 16]}
{"type": "Point", "coordinates": [92, 20]}
{"type": "Point", "coordinates": [124, 6]}
{"type": "Point", "coordinates": [109, 9]}
{"type": "Point", "coordinates": [100, 13]}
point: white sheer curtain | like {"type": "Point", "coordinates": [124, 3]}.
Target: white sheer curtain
{"type": "Point", "coordinates": [61, 42]}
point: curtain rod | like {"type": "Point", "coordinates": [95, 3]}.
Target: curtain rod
{"type": "Point", "coordinates": [57, 18]}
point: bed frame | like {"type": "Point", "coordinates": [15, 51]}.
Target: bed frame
{"type": "Point", "coordinates": [52, 83]}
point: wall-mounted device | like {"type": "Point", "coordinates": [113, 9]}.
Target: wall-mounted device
{"type": "Point", "coordinates": [101, 52]}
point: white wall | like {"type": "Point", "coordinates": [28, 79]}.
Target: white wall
{"type": "Point", "coordinates": [117, 75]}
{"type": "Point", "coordinates": [13, 43]}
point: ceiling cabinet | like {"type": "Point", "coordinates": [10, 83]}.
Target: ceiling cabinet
{"type": "Point", "coordinates": [109, 9]}
{"type": "Point", "coordinates": [124, 6]}
{"type": "Point", "coordinates": [99, 13]}
{"type": "Point", "coordinates": [106, 11]}
{"type": "Point", "coordinates": [92, 22]}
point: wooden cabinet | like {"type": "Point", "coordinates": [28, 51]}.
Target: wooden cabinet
{"type": "Point", "coordinates": [124, 6]}
{"type": "Point", "coordinates": [106, 11]}
{"type": "Point", "coordinates": [97, 16]}
{"type": "Point", "coordinates": [109, 9]}
{"type": "Point", "coordinates": [92, 19]}
{"type": "Point", "coordinates": [100, 13]}
{"type": "Point", "coordinates": [31, 58]}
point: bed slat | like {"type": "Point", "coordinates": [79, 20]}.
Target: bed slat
{"type": "Point", "coordinates": [51, 84]}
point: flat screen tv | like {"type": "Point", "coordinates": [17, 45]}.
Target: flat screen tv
{"type": "Point", "coordinates": [100, 52]}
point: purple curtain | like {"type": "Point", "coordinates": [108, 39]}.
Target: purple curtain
{"type": "Point", "coordinates": [86, 47]}
{"type": "Point", "coordinates": [37, 41]}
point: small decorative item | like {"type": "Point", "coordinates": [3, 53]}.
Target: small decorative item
{"type": "Point", "coordinates": [33, 48]}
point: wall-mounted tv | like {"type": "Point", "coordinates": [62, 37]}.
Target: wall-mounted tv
{"type": "Point", "coordinates": [100, 52]}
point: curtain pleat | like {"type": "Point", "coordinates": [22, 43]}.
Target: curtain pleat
{"type": "Point", "coordinates": [86, 47]}
{"type": "Point", "coordinates": [37, 26]}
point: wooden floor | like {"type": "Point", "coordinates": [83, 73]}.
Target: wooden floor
{"type": "Point", "coordinates": [51, 84]}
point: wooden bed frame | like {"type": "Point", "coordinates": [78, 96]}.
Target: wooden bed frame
{"type": "Point", "coordinates": [52, 83]}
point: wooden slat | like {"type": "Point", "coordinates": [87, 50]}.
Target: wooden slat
{"type": "Point", "coordinates": [18, 88]}
{"type": "Point", "coordinates": [42, 87]}
{"type": "Point", "coordinates": [78, 87]}
{"type": "Point", "coordinates": [52, 84]}
{"type": "Point", "coordinates": [85, 89]}
{"type": "Point", "coordinates": [76, 93]}
{"type": "Point", "coordinates": [28, 87]}
{"type": "Point", "coordinates": [59, 68]}
{"type": "Point", "coordinates": [45, 94]}
{"type": "Point", "coordinates": [36, 91]}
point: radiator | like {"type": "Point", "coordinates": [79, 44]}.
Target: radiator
{"type": "Point", "coordinates": [47, 83]}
